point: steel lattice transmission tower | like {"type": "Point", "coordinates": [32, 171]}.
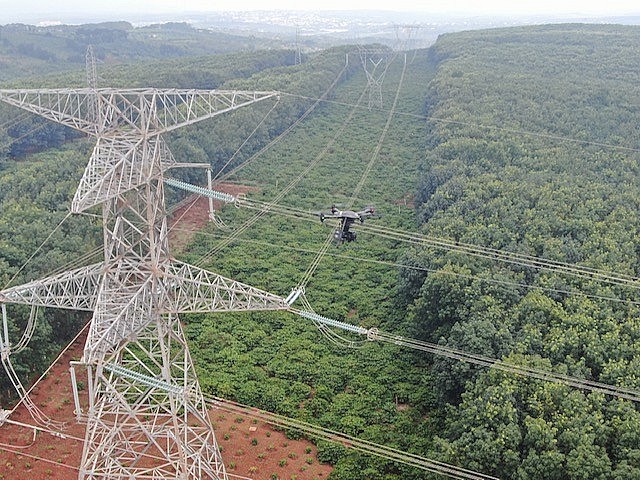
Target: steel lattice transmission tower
{"type": "Point", "coordinates": [375, 62]}
{"type": "Point", "coordinates": [146, 417]}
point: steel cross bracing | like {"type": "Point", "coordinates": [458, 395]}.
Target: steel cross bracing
{"type": "Point", "coordinates": [375, 63]}
{"type": "Point", "coordinates": [404, 36]}
{"type": "Point", "coordinates": [137, 426]}
{"type": "Point", "coordinates": [128, 124]}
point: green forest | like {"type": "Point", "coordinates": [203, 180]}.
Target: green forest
{"type": "Point", "coordinates": [28, 50]}
{"type": "Point", "coordinates": [520, 139]}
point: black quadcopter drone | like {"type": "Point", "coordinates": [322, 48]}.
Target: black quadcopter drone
{"type": "Point", "coordinates": [347, 217]}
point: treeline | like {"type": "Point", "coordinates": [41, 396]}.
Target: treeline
{"type": "Point", "coordinates": [28, 50]}
{"type": "Point", "coordinates": [21, 134]}
{"type": "Point", "coordinates": [500, 173]}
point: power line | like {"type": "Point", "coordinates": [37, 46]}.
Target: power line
{"type": "Point", "coordinates": [232, 157]}
{"type": "Point", "coordinates": [290, 128]}
{"type": "Point", "coordinates": [37, 250]}
{"type": "Point", "coordinates": [514, 131]}
{"type": "Point", "coordinates": [465, 248]}
{"type": "Point", "coordinates": [425, 269]}
{"type": "Point", "coordinates": [477, 359]}
{"type": "Point", "coordinates": [506, 257]}
{"type": "Point", "coordinates": [35, 457]}
{"type": "Point", "coordinates": [374, 156]}
{"type": "Point", "coordinates": [473, 250]}
{"type": "Point", "coordinates": [266, 207]}
{"type": "Point", "coordinates": [349, 441]}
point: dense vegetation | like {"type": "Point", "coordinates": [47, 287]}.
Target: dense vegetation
{"type": "Point", "coordinates": [495, 168]}
{"type": "Point", "coordinates": [487, 184]}
{"type": "Point", "coordinates": [283, 364]}
{"type": "Point", "coordinates": [495, 174]}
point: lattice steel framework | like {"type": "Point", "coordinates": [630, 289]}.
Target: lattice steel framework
{"type": "Point", "coordinates": [405, 35]}
{"type": "Point", "coordinates": [375, 62]}
{"type": "Point", "coordinates": [146, 418]}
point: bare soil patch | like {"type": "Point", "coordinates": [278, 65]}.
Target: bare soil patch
{"type": "Point", "coordinates": [250, 448]}
{"type": "Point", "coordinates": [193, 214]}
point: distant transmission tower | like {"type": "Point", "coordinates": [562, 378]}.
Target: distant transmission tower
{"type": "Point", "coordinates": [298, 59]}
{"type": "Point", "coordinates": [92, 83]}
{"type": "Point", "coordinates": [146, 417]}
{"type": "Point", "coordinates": [92, 72]}
{"type": "Point", "coordinates": [405, 36]}
{"type": "Point", "coordinates": [375, 63]}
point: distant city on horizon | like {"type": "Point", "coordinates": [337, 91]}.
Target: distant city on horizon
{"type": "Point", "coordinates": [333, 25]}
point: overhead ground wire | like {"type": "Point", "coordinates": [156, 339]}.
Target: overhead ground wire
{"type": "Point", "coordinates": [514, 131]}
{"type": "Point", "coordinates": [349, 441]}
{"type": "Point", "coordinates": [266, 207]}
{"type": "Point", "coordinates": [426, 269]}
{"type": "Point", "coordinates": [363, 178]}
{"type": "Point", "coordinates": [232, 157]}
{"type": "Point", "coordinates": [489, 253]}
{"type": "Point", "coordinates": [37, 250]}
{"type": "Point", "coordinates": [289, 129]}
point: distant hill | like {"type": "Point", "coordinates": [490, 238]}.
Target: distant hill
{"type": "Point", "coordinates": [27, 50]}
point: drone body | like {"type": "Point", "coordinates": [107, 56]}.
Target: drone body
{"type": "Point", "coordinates": [347, 217]}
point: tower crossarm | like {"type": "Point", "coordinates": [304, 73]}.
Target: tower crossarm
{"type": "Point", "coordinates": [183, 107]}
{"type": "Point", "coordinates": [68, 107]}
{"type": "Point", "coordinates": [74, 289]}
{"type": "Point", "coordinates": [148, 111]}
{"type": "Point", "coordinates": [195, 290]}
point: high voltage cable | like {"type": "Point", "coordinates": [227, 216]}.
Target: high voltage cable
{"type": "Point", "coordinates": [265, 209]}
{"type": "Point", "coordinates": [349, 441]}
{"type": "Point", "coordinates": [24, 135]}
{"type": "Point", "coordinates": [37, 250]}
{"type": "Point", "coordinates": [35, 457]}
{"type": "Point", "coordinates": [479, 359]}
{"type": "Point", "coordinates": [383, 135]}
{"type": "Point", "coordinates": [306, 277]}
{"type": "Point", "coordinates": [15, 120]}
{"type": "Point", "coordinates": [540, 374]}
{"type": "Point", "coordinates": [621, 392]}
{"type": "Point", "coordinates": [469, 249]}
{"type": "Point", "coordinates": [507, 257]}
{"type": "Point", "coordinates": [514, 131]}
{"type": "Point", "coordinates": [67, 436]}
{"type": "Point", "coordinates": [232, 157]}
{"type": "Point", "coordinates": [315, 431]}
{"type": "Point", "coordinates": [261, 213]}
{"type": "Point", "coordinates": [307, 112]}
{"type": "Point", "coordinates": [374, 156]}
{"type": "Point", "coordinates": [425, 269]}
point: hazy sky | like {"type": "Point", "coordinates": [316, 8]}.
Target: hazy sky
{"type": "Point", "coordinates": [27, 10]}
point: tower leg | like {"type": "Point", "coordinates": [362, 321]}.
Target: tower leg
{"type": "Point", "coordinates": [148, 419]}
